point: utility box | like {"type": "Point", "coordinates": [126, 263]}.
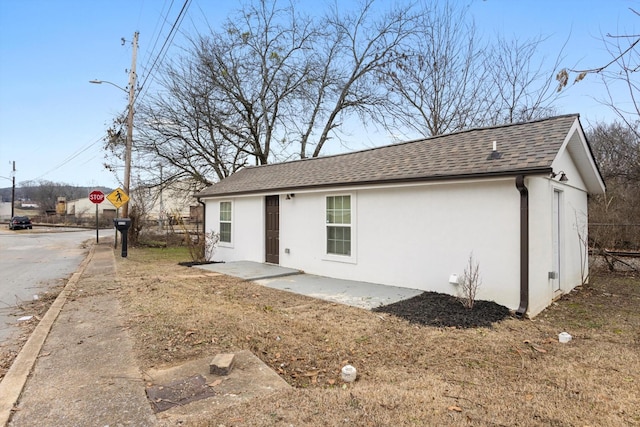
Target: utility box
{"type": "Point", "coordinates": [123, 225]}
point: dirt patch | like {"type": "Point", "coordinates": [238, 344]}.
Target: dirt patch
{"type": "Point", "coordinates": [34, 310]}
{"type": "Point", "coordinates": [409, 372]}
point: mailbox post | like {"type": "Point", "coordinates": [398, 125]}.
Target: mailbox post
{"type": "Point", "coordinates": [123, 225]}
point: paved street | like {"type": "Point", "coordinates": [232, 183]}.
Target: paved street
{"type": "Point", "coordinates": [31, 261]}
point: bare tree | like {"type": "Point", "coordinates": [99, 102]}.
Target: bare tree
{"type": "Point", "coordinates": [179, 130]}
{"type": "Point", "coordinates": [581, 227]}
{"type": "Point", "coordinates": [440, 80]}
{"type": "Point", "coordinates": [624, 50]}
{"type": "Point", "coordinates": [615, 216]}
{"type": "Point", "coordinates": [142, 200]}
{"type": "Point", "coordinates": [449, 80]}
{"type": "Point", "coordinates": [616, 148]}
{"type": "Point", "coordinates": [222, 102]}
{"type": "Point", "coordinates": [271, 85]}
{"type": "Point", "coordinates": [45, 193]}
{"type": "Point", "coordinates": [355, 47]}
{"type": "Point", "coordinates": [521, 88]}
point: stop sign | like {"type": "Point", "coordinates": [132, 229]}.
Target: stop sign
{"type": "Point", "coordinates": [96, 196]}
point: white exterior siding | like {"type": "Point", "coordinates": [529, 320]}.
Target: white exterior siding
{"type": "Point", "coordinates": [416, 236]}
{"type": "Point", "coordinates": [247, 229]}
{"type": "Point", "coordinates": [573, 206]}
{"type": "Point", "coordinates": [411, 236]}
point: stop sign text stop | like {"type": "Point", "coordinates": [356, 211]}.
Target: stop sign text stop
{"type": "Point", "coordinates": [96, 196]}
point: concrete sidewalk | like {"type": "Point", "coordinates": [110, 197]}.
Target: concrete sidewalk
{"type": "Point", "coordinates": [80, 357]}
{"type": "Point", "coordinates": [78, 367]}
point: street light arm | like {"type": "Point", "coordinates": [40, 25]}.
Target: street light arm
{"type": "Point", "coordinates": [99, 82]}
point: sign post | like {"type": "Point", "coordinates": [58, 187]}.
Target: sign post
{"type": "Point", "coordinates": [118, 198]}
{"type": "Point", "coordinates": [96, 197]}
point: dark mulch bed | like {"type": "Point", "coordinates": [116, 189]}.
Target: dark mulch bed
{"type": "Point", "coordinates": [442, 310]}
{"type": "Point", "coordinates": [194, 263]}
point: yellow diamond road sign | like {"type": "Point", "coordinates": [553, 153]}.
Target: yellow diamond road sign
{"type": "Point", "coordinates": [118, 197]}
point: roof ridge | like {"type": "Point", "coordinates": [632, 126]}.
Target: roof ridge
{"type": "Point", "coordinates": [412, 141]}
{"type": "Point", "coordinates": [506, 125]}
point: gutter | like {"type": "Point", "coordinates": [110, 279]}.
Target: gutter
{"type": "Point", "coordinates": [524, 247]}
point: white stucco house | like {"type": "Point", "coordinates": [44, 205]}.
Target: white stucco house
{"type": "Point", "coordinates": [410, 214]}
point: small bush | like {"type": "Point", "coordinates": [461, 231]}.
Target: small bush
{"type": "Point", "coordinates": [470, 283]}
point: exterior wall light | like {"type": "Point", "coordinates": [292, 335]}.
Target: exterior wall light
{"type": "Point", "coordinates": [563, 176]}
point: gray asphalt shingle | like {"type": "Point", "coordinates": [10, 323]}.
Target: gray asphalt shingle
{"type": "Point", "coordinates": [524, 147]}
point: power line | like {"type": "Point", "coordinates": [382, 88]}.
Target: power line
{"type": "Point", "coordinates": [163, 51]}
{"type": "Point", "coordinates": [70, 158]}
{"type": "Point", "coordinates": [156, 34]}
{"type": "Point", "coordinates": [165, 46]}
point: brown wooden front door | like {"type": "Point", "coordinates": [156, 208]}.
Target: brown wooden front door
{"type": "Point", "coordinates": [272, 238]}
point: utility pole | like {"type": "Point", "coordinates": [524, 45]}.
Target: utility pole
{"type": "Point", "coordinates": [13, 189]}
{"type": "Point", "coordinates": [129, 142]}
{"type": "Point", "coordinates": [161, 216]}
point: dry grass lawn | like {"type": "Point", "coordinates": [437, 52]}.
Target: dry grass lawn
{"type": "Point", "coordinates": [515, 373]}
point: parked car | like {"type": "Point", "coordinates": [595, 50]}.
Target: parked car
{"type": "Point", "coordinates": [20, 222]}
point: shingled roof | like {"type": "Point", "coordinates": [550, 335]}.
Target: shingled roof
{"type": "Point", "coordinates": [524, 147]}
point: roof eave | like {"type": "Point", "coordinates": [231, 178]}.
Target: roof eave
{"type": "Point", "coordinates": [277, 190]}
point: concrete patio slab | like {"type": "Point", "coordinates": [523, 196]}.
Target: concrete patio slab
{"type": "Point", "coordinates": [358, 294]}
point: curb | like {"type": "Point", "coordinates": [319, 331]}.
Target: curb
{"type": "Point", "coordinates": [13, 382]}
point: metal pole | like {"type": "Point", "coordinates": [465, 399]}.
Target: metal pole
{"type": "Point", "coordinates": [13, 189]}
{"type": "Point", "coordinates": [97, 224]}
{"type": "Point", "coordinates": [115, 239]}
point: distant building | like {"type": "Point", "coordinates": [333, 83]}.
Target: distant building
{"type": "Point", "coordinates": [174, 203]}
{"type": "Point", "coordinates": [86, 208]}
{"type": "Point", "coordinates": [61, 206]}
{"type": "Point", "coordinates": [5, 211]}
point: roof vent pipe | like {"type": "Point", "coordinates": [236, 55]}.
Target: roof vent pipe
{"type": "Point", "coordinates": [495, 154]}
{"type": "Point", "coordinates": [524, 247]}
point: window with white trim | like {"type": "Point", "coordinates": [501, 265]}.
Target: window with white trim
{"type": "Point", "coordinates": [225, 222]}
{"type": "Point", "coordinates": [338, 220]}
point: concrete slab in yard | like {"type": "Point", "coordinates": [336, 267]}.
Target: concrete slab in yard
{"type": "Point", "coordinates": [358, 294]}
{"type": "Point", "coordinates": [249, 379]}
{"type": "Point", "coordinates": [249, 270]}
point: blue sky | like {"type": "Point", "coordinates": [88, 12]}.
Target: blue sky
{"type": "Point", "coordinates": [52, 120]}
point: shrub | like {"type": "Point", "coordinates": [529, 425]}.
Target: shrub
{"type": "Point", "coordinates": [469, 283]}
